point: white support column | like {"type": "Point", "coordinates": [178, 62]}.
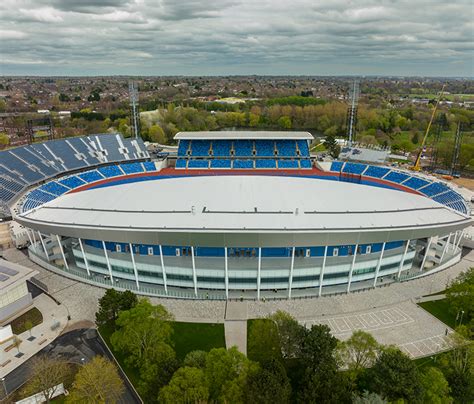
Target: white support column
{"type": "Point", "coordinates": [44, 246]}
{"type": "Point", "coordinates": [445, 248]}
{"type": "Point", "coordinates": [226, 274]}
{"type": "Point", "coordinates": [33, 245]}
{"type": "Point", "coordinates": [426, 254]}
{"type": "Point", "coordinates": [379, 263]}
{"type": "Point", "coordinates": [108, 263]}
{"type": "Point", "coordinates": [134, 265]}
{"type": "Point", "coordinates": [163, 270]}
{"type": "Point", "coordinates": [259, 272]}
{"type": "Point", "coordinates": [454, 241]}
{"type": "Point", "coordinates": [194, 272]}
{"type": "Point", "coordinates": [290, 280]}
{"type": "Point", "coordinates": [62, 252]}
{"type": "Point", "coordinates": [84, 257]}
{"type": "Point", "coordinates": [321, 275]}
{"type": "Point", "coordinates": [352, 269]}
{"type": "Point", "coordinates": [34, 240]}
{"type": "Point", "coordinates": [402, 262]}
{"type": "Point", "coordinates": [459, 241]}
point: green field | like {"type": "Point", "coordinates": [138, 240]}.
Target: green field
{"type": "Point", "coordinates": [440, 309]}
{"type": "Point", "coordinates": [189, 337]}
{"type": "Point", "coordinates": [449, 97]}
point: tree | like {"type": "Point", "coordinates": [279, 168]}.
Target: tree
{"type": "Point", "coordinates": [97, 381]}
{"type": "Point", "coordinates": [45, 374]}
{"type": "Point", "coordinates": [113, 302]}
{"type": "Point", "coordinates": [359, 351]}
{"type": "Point", "coordinates": [284, 122]}
{"type": "Point", "coordinates": [225, 372]}
{"type": "Point", "coordinates": [4, 139]}
{"type": "Point", "coordinates": [368, 398]}
{"type": "Point", "coordinates": [264, 341]}
{"type": "Point", "coordinates": [395, 376]}
{"type": "Point", "coordinates": [28, 326]}
{"type": "Point", "coordinates": [332, 147]}
{"type": "Point", "coordinates": [268, 384]}
{"type": "Point", "coordinates": [458, 366]}
{"type": "Point", "coordinates": [195, 359]}
{"type": "Point", "coordinates": [188, 385]}
{"type": "Point", "coordinates": [435, 387]}
{"type": "Point", "coordinates": [460, 294]}
{"type": "Point", "coordinates": [290, 334]}
{"type": "Point", "coordinates": [156, 134]}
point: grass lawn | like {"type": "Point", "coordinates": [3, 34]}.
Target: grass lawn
{"type": "Point", "coordinates": [189, 337]}
{"type": "Point", "coordinates": [440, 309]}
{"type": "Point", "coordinates": [106, 331]}
{"type": "Point", "coordinates": [33, 315]}
{"type": "Point", "coordinates": [429, 361]}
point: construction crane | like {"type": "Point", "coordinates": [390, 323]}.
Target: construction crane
{"type": "Point", "coordinates": [417, 165]}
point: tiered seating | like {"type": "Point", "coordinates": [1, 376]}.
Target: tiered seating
{"type": "Point", "coordinates": [109, 146]}
{"type": "Point", "coordinates": [221, 163]}
{"type": "Point", "coordinates": [243, 164]}
{"type": "Point", "coordinates": [447, 197]}
{"type": "Point", "coordinates": [306, 163]}
{"type": "Point", "coordinates": [27, 154]}
{"type": "Point", "coordinates": [434, 188]}
{"type": "Point", "coordinates": [267, 163]}
{"type": "Point", "coordinates": [243, 148]}
{"type": "Point", "coordinates": [54, 188]}
{"type": "Point", "coordinates": [354, 168]}
{"type": "Point", "coordinates": [396, 176]}
{"type": "Point", "coordinates": [286, 148]}
{"type": "Point", "coordinates": [27, 171]}
{"type": "Point", "coordinates": [265, 148]}
{"type": "Point", "coordinates": [72, 182]}
{"type": "Point", "coordinates": [64, 154]}
{"type": "Point", "coordinates": [415, 183]}
{"type": "Point", "coordinates": [181, 163]}
{"type": "Point", "coordinates": [41, 196]}
{"type": "Point", "coordinates": [336, 166]}
{"type": "Point", "coordinates": [91, 176]}
{"type": "Point", "coordinates": [200, 148]}
{"type": "Point", "coordinates": [376, 171]}
{"type": "Point", "coordinates": [198, 164]}
{"type": "Point", "coordinates": [83, 148]}
{"type": "Point", "coordinates": [110, 171]}
{"type": "Point", "coordinates": [131, 168]}
{"type": "Point", "coordinates": [149, 166]}
{"type": "Point", "coordinates": [183, 147]}
{"type": "Point", "coordinates": [303, 147]}
{"type": "Point", "coordinates": [221, 148]}
{"type": "Point", "coordinates": [288, 164]}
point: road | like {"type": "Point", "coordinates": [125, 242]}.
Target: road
{"type": "Point", "coordinates": [72, 346]}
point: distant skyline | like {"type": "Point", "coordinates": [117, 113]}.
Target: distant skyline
{"type": "Point", "coordinates": [230, 37]}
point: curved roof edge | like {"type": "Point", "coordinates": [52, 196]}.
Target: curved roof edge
{"type": "Point", "coordinates": [243, 134]}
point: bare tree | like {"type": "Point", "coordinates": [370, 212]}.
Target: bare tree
{"type": "Point", "coordinates": [45, 376]}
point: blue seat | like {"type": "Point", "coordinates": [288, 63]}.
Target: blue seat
{"type": "Point", "coordinates": [131, 168]}
{"type": "Point", "coordinates": [415, 183]}
{"type": "Point", "coordinates": [303, 148]}
{"type": "Point", "coordinates": [306, 163]}
{"type": "Point", "coordinates": [243, 148]}
{"type": "Point", "coordinates": [149, 166]}
{"type": "Point", "coordinates": [396, 176]}
{"type": "Point", "coordinates": [110, 171]}
{"type": "Point", "coordinates": [90, 176]}
{"type": "Point", "coordinates": [223, 163]}
{"type": "Point", "coordinates": [336, 166]}
{"type": "Point", "coordinates": [54, 188]}
{"type": "Point", "coordinates": [72, 182]}
{"type": "Point", "coordinates": [243, 164]}
{"type": "Point", "coordinates": [198, 164]}
{"type": "Point", "coordinates": [288, 164]}
{"type": "Point", "coordinates": [200, 148]}
{"type": "Point", "coordinates": [221, 148]}
{"type": "Point", "coordinates": [434, 189]}
{"type": "Point", "coordinates": [183, 147]}
{"type": "Point", "coordinates": [376, 171]}
{"type": "Point", "coordinates": [181, 163]}
{"type": "Point", "coordinates": [267, 163]}
{"type": "Point", "coordinates": [354, 168]}
{"type": "Point", "coordinates": [265, 148]}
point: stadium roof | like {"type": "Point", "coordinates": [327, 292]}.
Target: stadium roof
{"type": "Point", "coordinates": [240, 204]}
{"type": "Point", "coordinates": [243, 134]}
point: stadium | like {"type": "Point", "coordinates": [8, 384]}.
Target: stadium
{"type": "Point", "coordinates": [235, 214]}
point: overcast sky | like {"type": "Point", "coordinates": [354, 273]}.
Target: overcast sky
{"type": "Point", "coordinates": [209, 37]}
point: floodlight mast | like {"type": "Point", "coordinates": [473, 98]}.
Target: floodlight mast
{"type": "Point", "coordinates": [134, 111]}
{"type": "Point", "coordinates": [352, 111]}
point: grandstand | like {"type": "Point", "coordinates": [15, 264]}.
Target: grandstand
{"type": "Point", "coordinates": [25, 166]}
{"type": "Point", "coordinates": [241, 211]}
{"type": "Point", "coordinates": [243, 150]}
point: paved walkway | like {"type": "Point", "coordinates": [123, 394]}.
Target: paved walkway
{"type": "Point", "coordinates": [54, 321]}
{"type": "Point", "coordinates": [389, 313]}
